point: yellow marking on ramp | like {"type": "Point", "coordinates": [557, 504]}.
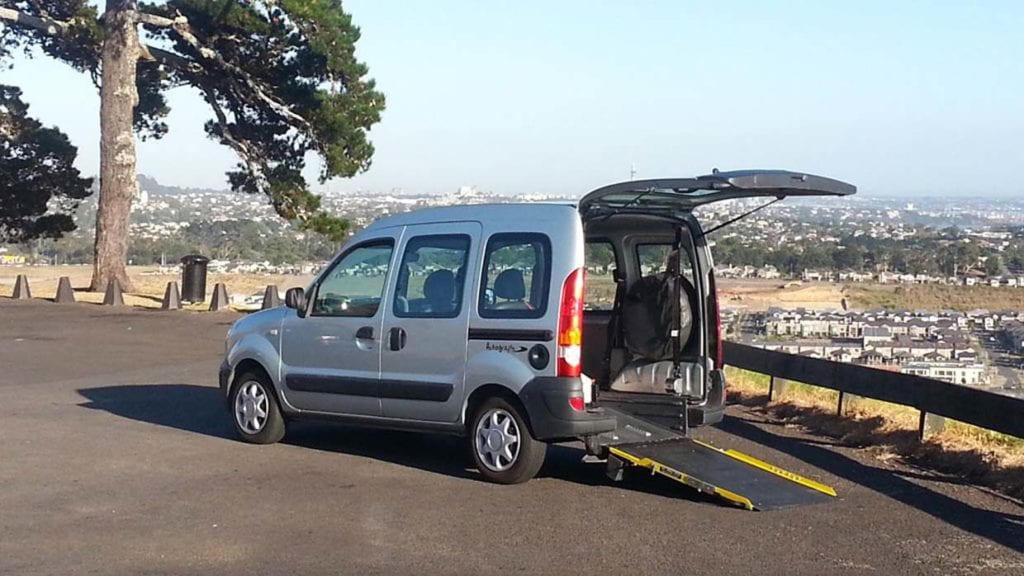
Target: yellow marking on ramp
{"type": "Point", "coordinates": [683, 478]}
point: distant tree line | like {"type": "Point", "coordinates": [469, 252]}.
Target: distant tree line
{"type": "Point", "coordinates": [234, 240]}
{"type": "Point", "coordinates": [947, 252]}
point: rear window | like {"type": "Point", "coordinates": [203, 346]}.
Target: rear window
{"type": "Point", "coordinates": [599, 289]}
{"type": "Point", "coordinates": [516, 276]}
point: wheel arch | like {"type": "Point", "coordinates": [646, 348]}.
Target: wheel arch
{"type": "Point", "coordinates": [491, 390]}
{"type": "Point", "coordinates": [251, 365]}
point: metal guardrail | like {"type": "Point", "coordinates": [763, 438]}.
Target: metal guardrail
{"type": "Point", "coordinates": [981, 408]}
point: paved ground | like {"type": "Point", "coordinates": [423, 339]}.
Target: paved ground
{"type": "Point", "coordinates": [116, 457]}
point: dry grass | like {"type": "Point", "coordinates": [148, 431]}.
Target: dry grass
{"type": "Point", "coordinates": [937, 297]}
{"type": "Point", "coordinates": [890, 431]}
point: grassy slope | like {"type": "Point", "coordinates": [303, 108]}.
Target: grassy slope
{"type": "Point", "coordinates": [980, 456]}
{"type": "Point", "coordinates": [937, 297]}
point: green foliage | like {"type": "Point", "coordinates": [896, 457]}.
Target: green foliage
{"type": "Point", "coordinates": [285, 82]}
{"type": "Point", "coordinates": [236, 240]}
{"type": "Point", "coordinates": [280, 76]}
{"type": "Point", "coordinates": [39, 185]}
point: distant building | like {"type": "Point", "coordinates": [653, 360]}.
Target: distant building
{"type": "Point", "coordinates": [952, 372]}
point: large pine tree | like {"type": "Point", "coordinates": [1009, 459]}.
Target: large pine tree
{"type": "Point", "coordinates": [280, 77]}
{"type": "Point", "coordinates": [39, 185]}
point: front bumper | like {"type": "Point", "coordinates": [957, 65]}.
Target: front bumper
{"type": "Point", "coordinates": [224, 376]}
{"type": "Point", "coordinates": [546, 399]}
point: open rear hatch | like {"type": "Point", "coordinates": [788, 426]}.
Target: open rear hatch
{"type": "Point", "coordinates": [675, 195]}
{"type": "Point", "coordinates": [652, 430]}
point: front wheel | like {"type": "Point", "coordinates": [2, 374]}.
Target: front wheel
{"type": "Point", "coordinates": [255, 412]}
{"type": "Point", "coordinates": [503, 448]}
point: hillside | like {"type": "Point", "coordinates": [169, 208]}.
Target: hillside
{"type": "Point", "coordinates": [936, 297]}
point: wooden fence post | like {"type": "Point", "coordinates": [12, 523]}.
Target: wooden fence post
{"type": "Point", "coordinates": [929, 424]}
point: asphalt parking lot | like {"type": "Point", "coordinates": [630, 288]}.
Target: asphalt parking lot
{"type": "Point", "coordinates": [117, 457]}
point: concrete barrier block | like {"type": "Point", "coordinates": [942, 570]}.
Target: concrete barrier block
{"type": "Point", "coordinates": [220, 299]}
{"type": "Point", "coordinates": [21, 289]}
{"type": "Point", "coordinates": [114, 296]}
{"type": "Point", "coordinates": [65, 293]}
{"type": "Point", "coordinates": [172, 297]}
{"type": "Point", "coordinates": [271, 298]}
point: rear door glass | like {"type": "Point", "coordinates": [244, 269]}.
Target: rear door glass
{"type": "Point", "coordinates": [516, 276]}
{"type": "Point", "coordinates": [599, 288]}
{"type": "Point", "coordinates": [653, 259]}
{"type": "Point", "coordinates": [431, 279]}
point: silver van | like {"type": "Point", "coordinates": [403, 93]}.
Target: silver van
{"type": "Point", "coordinates": [514, 325]}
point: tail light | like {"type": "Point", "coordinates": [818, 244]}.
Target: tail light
{"type": "Point", "coordinates": [716, 319]}
{"type": "Point", "coordinates": [570, 326]}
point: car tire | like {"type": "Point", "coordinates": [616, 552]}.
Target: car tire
{"type": "Point", "coordinates": [502, 445]}
{"type": "Point", "coordinates": [254, 410]}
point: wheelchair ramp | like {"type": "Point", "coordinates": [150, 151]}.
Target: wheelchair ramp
{"type": "Point", "coordinates": [735, 477]}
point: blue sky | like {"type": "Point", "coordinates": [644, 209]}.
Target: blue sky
{"type": "Point", "coordinates": [897, 97]}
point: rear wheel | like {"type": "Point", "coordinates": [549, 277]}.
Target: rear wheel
{"type": "Point", "coordinates": [503, 448]}
{"type": "Point", "coordinates": [255, 412]}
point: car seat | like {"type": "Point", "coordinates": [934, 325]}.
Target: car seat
{"type": "Point", "coordinates": [510, 287]}
{"type": "Point", "coordinates": [647, 324]}
{"type": "Point", "coordinates": [439, 290]}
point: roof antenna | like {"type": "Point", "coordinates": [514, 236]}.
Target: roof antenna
{"type": "Point", "coordinates": [632, 171]}
{"type": "Point", "coordinates": [714, 170]}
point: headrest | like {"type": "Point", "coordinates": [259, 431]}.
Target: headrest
{"type": "Point", "coordinates": [509, 285]}
{"type": "Point", "coordinates": [439, 286]}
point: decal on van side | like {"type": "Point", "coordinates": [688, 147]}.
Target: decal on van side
{"type": "Point", "coordinates": [506, 348]}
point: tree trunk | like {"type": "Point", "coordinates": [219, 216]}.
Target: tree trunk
{"type": "Point", "coordinates": [118, 182]}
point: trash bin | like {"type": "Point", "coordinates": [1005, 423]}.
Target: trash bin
{"type": "Point", "coordinates": [193, 278]}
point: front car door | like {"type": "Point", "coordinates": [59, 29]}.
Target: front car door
{"type": "Point", "coordinates": [423, 356]}
{"type": "Point", "coordinates": [330, 359]}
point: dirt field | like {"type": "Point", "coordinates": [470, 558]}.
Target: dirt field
{"type": "Point", "coordinates": [762, 294]}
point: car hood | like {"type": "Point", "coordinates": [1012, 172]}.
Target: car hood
{"type": "Point", "coordinates": [259, 321]}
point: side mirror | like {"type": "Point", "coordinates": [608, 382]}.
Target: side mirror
{"type": "Point", "coordinates": [296, 298]}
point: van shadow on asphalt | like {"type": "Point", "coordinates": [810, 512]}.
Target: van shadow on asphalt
{"type": "Point", "coordinates": [201, 410]}
{"type": "Point", "coordinates": [1001, 528]}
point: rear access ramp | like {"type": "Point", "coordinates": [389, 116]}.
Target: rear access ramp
{"type": "Point", "coordinates": [735, 477]}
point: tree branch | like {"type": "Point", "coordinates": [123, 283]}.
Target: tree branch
{"type": "Point", "coordinates": [47, 26]}
{"type": "Point", "coordinates": [161, 21]}
{"type": "Point", "coordinates": [180, 26]}
{"type": "Point", "coordinates": [240, 147]}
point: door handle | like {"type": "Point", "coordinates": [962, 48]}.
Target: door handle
{"type": "Point", "coordinates": [365, 333]}
{"type": "Point", "coordinates": [396, 339]}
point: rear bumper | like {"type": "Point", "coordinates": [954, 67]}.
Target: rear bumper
{"type": "Point", "coordinates": [546, 400]}
{"type": "Point", "coordinates": [714, 409]}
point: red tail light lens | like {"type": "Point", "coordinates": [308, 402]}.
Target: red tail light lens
{"type": "Point", "coordinates": [570, 326]}
{"type": "Point", "coordinates": [576, 402]}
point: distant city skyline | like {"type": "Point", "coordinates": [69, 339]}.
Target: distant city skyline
{"type": "Point", "coordinates": [557, 98]}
